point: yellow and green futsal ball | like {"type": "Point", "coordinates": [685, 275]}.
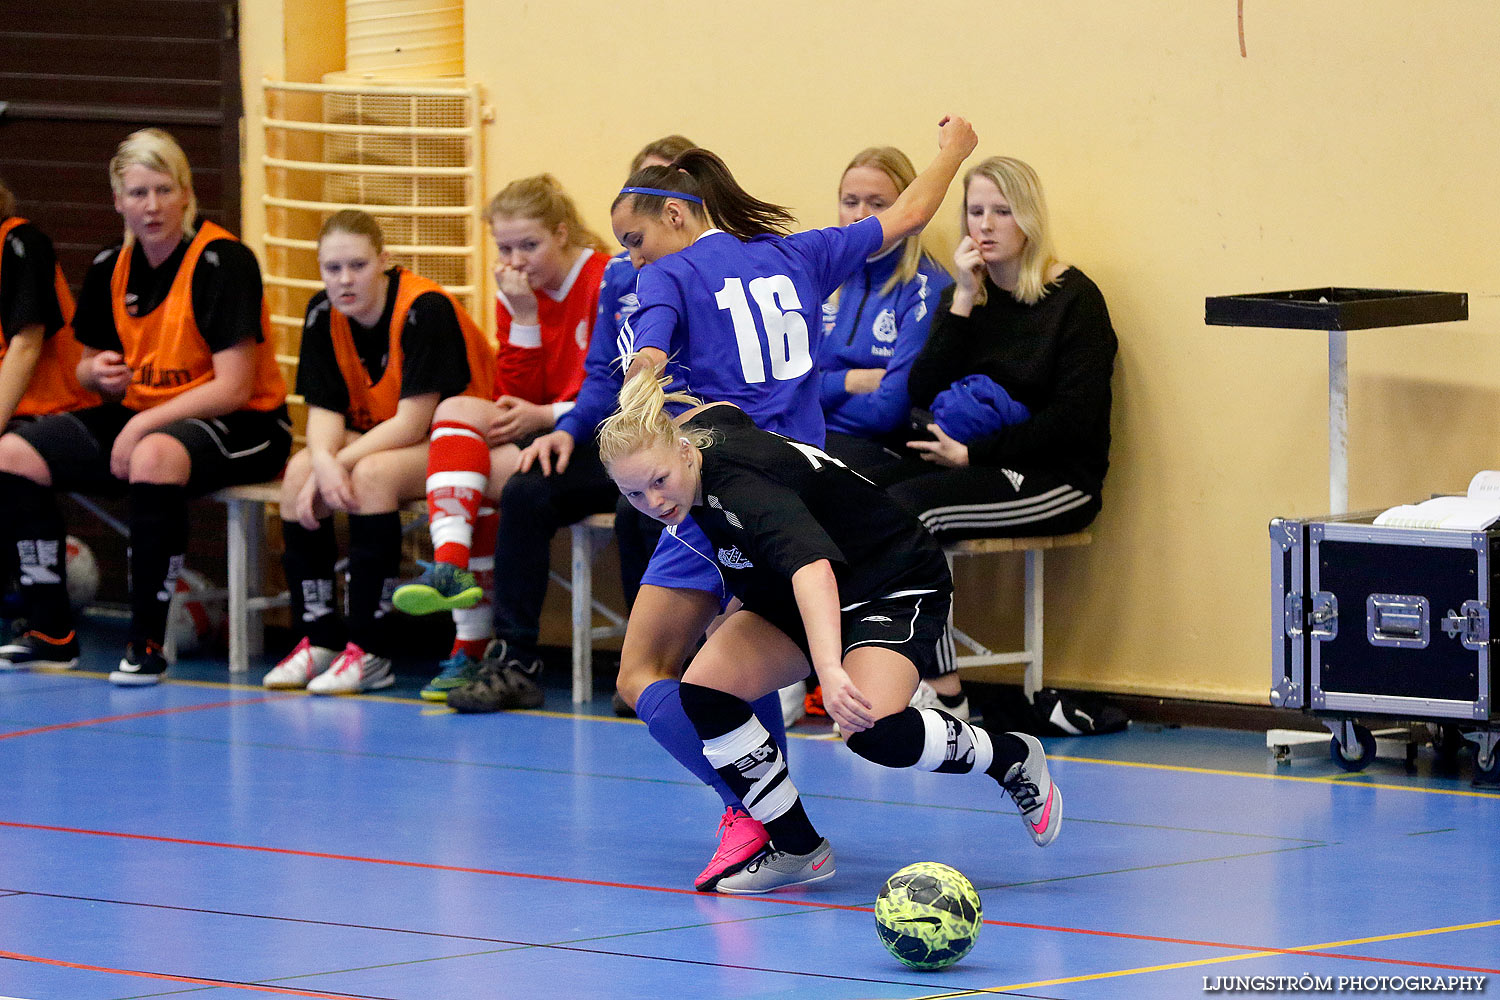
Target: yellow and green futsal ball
{"type": "Point", "coordinates": [928, 915]}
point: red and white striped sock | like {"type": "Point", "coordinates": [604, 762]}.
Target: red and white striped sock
{"type": "Point", "coordinates": [473, 628]}
{"type": "Point", "coordinates": [458, 469]}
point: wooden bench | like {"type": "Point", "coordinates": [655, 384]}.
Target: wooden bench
{"type": "Point", "coordinates": [245, 514]}
{"type": "Point", "coordinates": [245, 510]}
{"type": "Point", "coordinates": [1031, 652]}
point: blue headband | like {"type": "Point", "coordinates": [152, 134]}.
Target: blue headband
{"type": "Point", "coordinates": [661, 193]}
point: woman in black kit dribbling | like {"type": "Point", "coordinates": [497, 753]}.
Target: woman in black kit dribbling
{"type": "Point", "coordinates": [830, 572]}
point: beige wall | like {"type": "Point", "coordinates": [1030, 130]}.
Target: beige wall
{"type": "Point", "coordinates": [1354, 145]}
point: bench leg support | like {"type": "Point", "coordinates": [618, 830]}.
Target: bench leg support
{"type": "Point", "coordinates": [242, 539]}
{"type": "Point", "coordinates": [1033, 628]}
{"type": "Point", "coordinates": [583, 620]}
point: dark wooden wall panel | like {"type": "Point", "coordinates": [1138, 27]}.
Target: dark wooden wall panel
{"type": "Point", "coordinates": [105, 55]}
{"type": "Point", "coordinates": [77, 76]}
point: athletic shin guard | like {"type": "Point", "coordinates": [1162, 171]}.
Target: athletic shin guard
{"type": "Point", "coordinates": [34, 529]}
{"type": "Point", "coordinates": [309, 560]}
{"type": "Point", "coordinates": [926, 739]}
{"type": "Point", "coordinates": [374, 564]}
{"type": "Point", "coordinates": [751, 764]}
{"type": "Point", "coordinates": [158, 548]}
{"type": "Point", "coordinates": [458, 470]}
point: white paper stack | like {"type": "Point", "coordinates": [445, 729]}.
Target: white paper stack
{"type": "Point", "coordinates": [1476, 510]}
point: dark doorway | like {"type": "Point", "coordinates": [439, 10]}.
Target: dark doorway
{"type": "Point", "coordinates": [77, 76]}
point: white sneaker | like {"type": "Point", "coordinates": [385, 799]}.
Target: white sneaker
{"type": "Point", "coordinates": [926, 697]}
{"type": "Point", "coordinates": [353, 671]}
{"type": "Point", "coordinates": [301, 665]}
{"type": "Point", "coordinates": [793, 703]}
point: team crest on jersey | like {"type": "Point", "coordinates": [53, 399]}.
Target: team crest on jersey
{"type": "Point", "coordinates": [733, 558]}
{"type": "Point", "coordinates": [581, 335]}
{"type": "Point", "coordinates": [885, 326]}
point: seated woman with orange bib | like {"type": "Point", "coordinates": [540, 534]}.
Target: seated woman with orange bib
{"type": "Point", "coordinates": [177, 339]}
{"type": "Point", "coordinates": [38, 352]}
{"type": "Point", "coordinates": [381, 347]}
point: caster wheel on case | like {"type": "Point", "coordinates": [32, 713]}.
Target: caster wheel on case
{"type": "Point", "coordinates": [1363, 753]}
{"type": "Point", "coordinates": [1488, 772]}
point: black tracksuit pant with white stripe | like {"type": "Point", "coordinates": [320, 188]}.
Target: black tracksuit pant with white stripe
{"type": "Point", "coordinates": [984, 502]}
{"type": "Point", "coordinates": [972, 502]}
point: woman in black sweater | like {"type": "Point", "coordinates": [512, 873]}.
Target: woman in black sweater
{"type": "Point", "coordinates": [1041, 331]}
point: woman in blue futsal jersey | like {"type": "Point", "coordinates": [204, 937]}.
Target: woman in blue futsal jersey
{"type": "Point", "coordinates": [734, 301]}
{"type": "Point", "coordinates": [830, 572]}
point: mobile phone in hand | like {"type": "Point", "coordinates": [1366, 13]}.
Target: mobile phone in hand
{"type": "Point", "coordinates": [920, 418]}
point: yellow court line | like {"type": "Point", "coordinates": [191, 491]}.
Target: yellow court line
{"type": "Point", "coordinates": [1299, 949]}
{"type": "Point", "coordinates": [1334, 780]}
{"type": "Point", "coordinates": [1337, 781]}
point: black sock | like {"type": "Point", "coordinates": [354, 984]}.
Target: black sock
{"type": "Point", "coordinates": [747, 758]}
{"type": "Point", "coordinates": [1010, 750]}
{"type": "Point", "coordinates": [951, 700]}
{"type": "Point", "coordinates": [308, 561]}
{"type": "Point", "coordinates": [158, 547]}
{"type": "Point", "coordinates": [374, 566]}
{"type": "Point", "coordinates": [10, 595]}
{"type": "Point", "coordinates": [37, 537]}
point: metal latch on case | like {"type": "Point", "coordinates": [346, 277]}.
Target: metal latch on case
{"type": "Point", "coordinates": [1470, 625]}
{"type": "Point", "coordinates": [1323, 620]}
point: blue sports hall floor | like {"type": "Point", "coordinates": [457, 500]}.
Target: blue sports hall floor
{"type": "Point", "coordinates": [207, 838]}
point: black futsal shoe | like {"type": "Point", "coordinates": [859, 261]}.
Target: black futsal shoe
{"type": "Point", "coordinates": [142, 665]}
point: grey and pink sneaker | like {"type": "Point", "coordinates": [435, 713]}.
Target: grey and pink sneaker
{"type": "Point", "coordinates": [778, 870]}
{"type": "Point", "coordinates": [1039, 800]}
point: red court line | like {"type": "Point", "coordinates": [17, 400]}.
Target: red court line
{"type": "Point", "coordinates": [776, 900]}
{"type": "Point", "coordinates": [141, 715]}
{"type": "Point", "coordinates": [192, 980]}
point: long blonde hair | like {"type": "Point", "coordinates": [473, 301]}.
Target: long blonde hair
{"type": "Point", "coordinates": [1022, 188]}
{"type": "Point", "coordinates": [897, 166]}
{"type": "Point", "coordinates": [155, 149]}
{"type": "Point", "coordinates": [543, 198]}
{"type": "Point", "coordinates": [642, 422]}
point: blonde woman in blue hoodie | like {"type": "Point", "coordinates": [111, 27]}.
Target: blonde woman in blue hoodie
{"type": "Point", "coordinates": [877, 323]}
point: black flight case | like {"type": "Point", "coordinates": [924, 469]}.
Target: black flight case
{"type": "Point", "coordinates": [1379, 622]}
